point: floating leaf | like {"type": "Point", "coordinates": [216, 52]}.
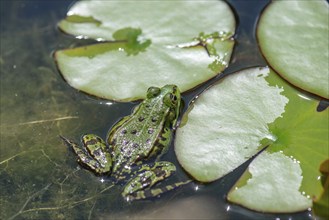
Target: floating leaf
{"type": "Point", "coordinates": [248, 110]}
{"type": "Point", "coordinates": [271, 184]}
{"type": "Point", "coordinates": [294, 38]}
{"type": "Point", "coordinates": [147, 43]}
{"type": "Point", "coordinates": [226, 124]}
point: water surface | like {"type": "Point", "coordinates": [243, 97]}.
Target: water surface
{"type": "Point", "coordinates": [39, 177]}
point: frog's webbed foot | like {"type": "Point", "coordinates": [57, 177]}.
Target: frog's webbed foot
{"type": "Point", "coordinates": [141, 186]}
{"type": "Point", "coordinates": [93, 154]}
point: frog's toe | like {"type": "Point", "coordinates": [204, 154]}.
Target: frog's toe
{"type": "Point", "coordinates": [74, 146]}
{"type": "Point", "coordinates": [83, 157]}
{"type": "Point", "coordinates": [90, 163]}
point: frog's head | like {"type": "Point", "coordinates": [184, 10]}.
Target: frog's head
{"type": "Point", "coordinates": [171, 98]}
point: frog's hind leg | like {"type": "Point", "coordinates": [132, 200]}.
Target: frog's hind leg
{"type": "Point", "coordinates": [92, 154]}
{"type": "Point", "coordinates": [98, 150]}
{"type": "Point", "coordinates": [155, 191]}
{"type": "Point", "coordinates": [83, 157]}
{"type": "Point", "coordinates": [141, 186]}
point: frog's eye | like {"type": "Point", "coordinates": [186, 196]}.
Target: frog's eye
{"type": "Point", "coordinates": [153, 92]}
{"type": "Point", "coordinates": [170, 100]}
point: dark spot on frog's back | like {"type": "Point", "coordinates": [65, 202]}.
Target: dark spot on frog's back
{"type": "Point", "coordinates": [124, 131]}
{"type": "Point", "coordinates": [134, 131]}
{"type": "Point", "coordinates": [154, 119]}
{"type": "Point", "coordinates": [150, 131]}
{"type": "Point", "coordinates": [141, 118]}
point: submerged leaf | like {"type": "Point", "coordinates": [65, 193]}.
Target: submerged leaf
{"type": "Point", "coordinates": [133, 45]}
{"type": "Point", "coordinates": [82, 19]}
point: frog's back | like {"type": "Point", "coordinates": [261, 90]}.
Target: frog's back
{"type": "Point", "coordinates": [135, 136]}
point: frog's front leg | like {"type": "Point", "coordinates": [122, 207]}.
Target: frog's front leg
{"type": "Point", "coordinates": [141, 186]}
{"type": "Point", "coordinates": [93, 153]}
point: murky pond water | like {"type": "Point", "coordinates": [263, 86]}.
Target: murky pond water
{"type": "Point", "coordinates": [39, 177]}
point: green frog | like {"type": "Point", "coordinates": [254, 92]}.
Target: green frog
{"type": "Point", "coordinates": [142, 136]}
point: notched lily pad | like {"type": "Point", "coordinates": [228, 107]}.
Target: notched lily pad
{"type": "Point", "coordinates": [271, 184]}
{"type": "Point", "coordinates": [146, 44]}
{"type": "Point", "coordinates": [248, 110]}
{"type": "Point", "coordinates": [226, 124]}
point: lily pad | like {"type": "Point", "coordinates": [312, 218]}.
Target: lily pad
{"type": "Point", "coordinates": [271, 184]}
{"type": "Point", "coordinates": [233, 120]}
{"type": "Point", "coordinates": [226, 123]}
{"type": "Point", "coordinates": [294, 38]}
{"type": "Point", "coordinates": [145, 43]}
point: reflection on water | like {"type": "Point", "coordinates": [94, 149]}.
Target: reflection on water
{"type": "Point", "coordinates": [39, 177]}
